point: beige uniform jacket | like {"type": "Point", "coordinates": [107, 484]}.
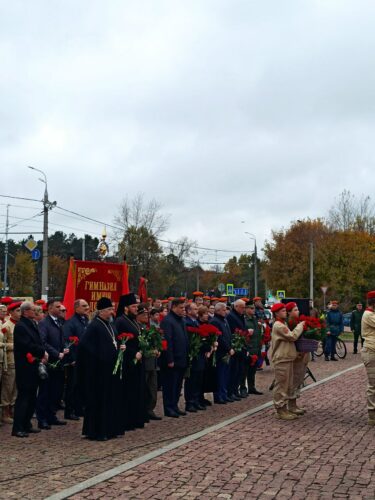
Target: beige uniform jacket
{"type": "Point", "coordinates": [282, 342]}
{"type": "Point", "coordinates": [2, 348]}
{"type": "Point", "coordinates": [8, 329]}
{"type": "Point", "coordinates": [368, 329]}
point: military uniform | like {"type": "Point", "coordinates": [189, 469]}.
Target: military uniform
{"type": "Point", "coordinates": [368, 358]}
{"type": "Point", "coordinates": [283, 356]}
{"type": "Point", "coordinates": [8, 386]}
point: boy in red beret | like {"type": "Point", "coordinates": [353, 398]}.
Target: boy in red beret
{"type": "Point", "coordinates": [368, 353]}
{"type": "Point", "coordinates": [283, 355]}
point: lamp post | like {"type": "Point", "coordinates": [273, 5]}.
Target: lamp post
{"type": "Point", "coordinates": [47, 205]}
{"type": "Point", "coordinates": [252, 237]}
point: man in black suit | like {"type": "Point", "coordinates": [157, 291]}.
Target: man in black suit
{"type": "Point", "coordinates": [27, 345]}
{"type": "Point", "coordinates": [236, 321]}
{"type": "Point", "coordinates": [50, 390]}
{"type": "Point", "coordinates": [74, 327]}
{"type": "Point", "coordinates": [173, 326]}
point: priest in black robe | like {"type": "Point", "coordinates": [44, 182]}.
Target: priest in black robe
{"type": "Point", "coordinates": [133, 376]}
{"type": "Point", "coordinates": [99, 388]}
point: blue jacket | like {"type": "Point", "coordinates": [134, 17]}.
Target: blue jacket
{"type": "Point", "coordinates": [175, 334]}
{"type": "Point", "coordinates": [225, 339]}
{"type": "Point", "coordinates": [335, 322]}
{"type": "Point", "coordinates": [52, 338]}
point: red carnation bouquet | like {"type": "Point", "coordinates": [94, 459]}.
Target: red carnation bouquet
{"type": "Point", "coordinates": [211, 333]}
{"type": "Point", "coordinates": [240, 339]}
{"type": "Point", "coordinates": [122, 338]}
{"type": "Point", "coordinates": [313, 329]}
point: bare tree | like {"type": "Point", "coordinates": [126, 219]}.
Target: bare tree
{"type": "Point", "coordinates": [350, 214]}
{"type": "Point", "coordinates": [137, 213]}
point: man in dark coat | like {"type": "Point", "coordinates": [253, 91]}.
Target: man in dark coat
{"type": "Point", "coordinates": [133, 377]}
{"type": "Point", "coordinates": [27, 345]}
{"type": "Point", "coordinates": [176, 359]}
{"type": "Point", "coordinates": [51, 389]}
{"type": "Point", "coordinates": [355, 326]}
{"type": "Point", "coordinates": [100, 389]}
{"type": "Point", "coordinates": [254, 348]}
{"type": "Point", "coordinates": [223, 354]}
{"type": "Point", "coordinates": [236, 321]}
{"type": "Point", "coordinates": [74, 327]}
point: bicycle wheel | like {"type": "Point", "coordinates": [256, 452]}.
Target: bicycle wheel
{"type": "Point", "coordinates": [320, 349]}
{"type": "Point", "coordinates": [340, 349]}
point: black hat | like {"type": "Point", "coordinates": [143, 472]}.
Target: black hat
{"type": "Point", "coordinates": [125, 301]}
{"type": "Point", "coordinates": [142, 309]}
{"type": "Point", "coordinates": [103, 303]}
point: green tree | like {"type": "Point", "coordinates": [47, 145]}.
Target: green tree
{"type": "Point", "coordinates": [22, 275]}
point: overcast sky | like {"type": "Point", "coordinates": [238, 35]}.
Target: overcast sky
{"type": "Point", "coordinates": [224, 111]}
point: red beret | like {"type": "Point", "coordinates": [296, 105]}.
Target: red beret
{"type": "Point", "coordinates": [290, 305]}
{"type": "Point", "coordinates": [277, 307]}
{"type": "Point", "coordinates": [257, 298]}
{"type": "Point", "coordinates": [170, 299]}
{"type": "Point", "coordinates": [206, 297]}
{"type": "Point", "coordinates": [164, 301]}
{"type": "Point", "coordinates": [198, 294]}
{"type": "Point", "coordinates": [371, 295]}
{"type": "Point", "coordinates": [6, 301]}
{"type": "Point", "coordinates": [334, 302]}
{"type": "Point", "coordinates": [13, 306]}
{"type": "Point", "coordinates": [213, 299]}
{"type": "Point", "coordinates": [40, 302]}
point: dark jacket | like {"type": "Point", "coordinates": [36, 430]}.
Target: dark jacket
{"type": "Point", "coordinates": [255, 344]}
{"type": "Point", "coordinates": [335, 322]}
{"type": "Point", "coordinates": [356, 321]}
{"type": "Point", "coordinates": [225, 339]}
{"type": "Point", "coordinates": [236, 321]}
{"type": "Point", "coordinates": [74, 327]}
{"type": "Point", "coordinates": [52, 337]}
{"type": "Point", "coordinates": [27, 340]}
{"type": "Point", "coordinates": [175, 334]}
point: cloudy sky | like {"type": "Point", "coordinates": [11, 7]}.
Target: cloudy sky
{"type": "Point", "coordinates": [224, 111]}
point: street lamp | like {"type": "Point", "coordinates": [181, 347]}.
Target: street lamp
{"type": "Point", "coordinates": [47, 205]}
{"type": "Point", "coordinates": [252, 237]}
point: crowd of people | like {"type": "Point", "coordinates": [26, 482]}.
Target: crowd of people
{"type": "Point", "coordinates": [96, 365]}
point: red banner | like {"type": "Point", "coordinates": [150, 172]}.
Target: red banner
{"type": "Point", "coordinates": [90, 280]}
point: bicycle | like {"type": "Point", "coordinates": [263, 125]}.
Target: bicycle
{"type": "Point", "coordinates": [341, 349]}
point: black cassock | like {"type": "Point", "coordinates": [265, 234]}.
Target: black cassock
{"type": "Point", "coordinates": [99, 388]}
{"type": "Point", "coordinates": [133, 377]}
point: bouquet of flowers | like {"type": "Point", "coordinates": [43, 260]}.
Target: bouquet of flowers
{"type": "Point", "coordinates": [240, 339]}
{"type": "Point", "coordinates": [122, 338]}
{"type": "Point", "coordinates": [314, 328]}
{"type": "Point", "coordinates": [210, 332]}
{"type": "Point", "coordinates": [150, 341]}
{"type": "Point", "coordinates": [194, 342]}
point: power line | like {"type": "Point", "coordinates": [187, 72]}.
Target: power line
{"type": "Point", "coordinates": [20, 198]}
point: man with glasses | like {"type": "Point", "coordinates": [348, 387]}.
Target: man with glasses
{"type": "Point", "coordinates": [74, 327]}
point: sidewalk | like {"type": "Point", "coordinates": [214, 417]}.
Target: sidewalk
{"type": "Point", "coordinates": [57, 459]}
{"type": "Point", "coordinates": [328, 453]}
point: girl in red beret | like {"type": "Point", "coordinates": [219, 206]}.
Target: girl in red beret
{"type": "Point", "coordinates": [283, 355]}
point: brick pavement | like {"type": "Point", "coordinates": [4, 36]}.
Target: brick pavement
{"type": "Point", "coordinates": [56, 459]}
{"type": "Point", "coordinates": [328, 453]}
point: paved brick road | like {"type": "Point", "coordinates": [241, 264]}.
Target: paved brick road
{"type": "Point", "coordinates": [37, 467]}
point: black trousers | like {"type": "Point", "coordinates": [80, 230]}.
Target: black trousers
{"type": "Point", "coordinates": [355, 343]}
{"type": "Point", "coordinates": [24, 407]}
{"type": "Point", "coordinates": [151, 390]}
{"type": "Point", "coordinates": [193, 387]}
{"type": "Point", "coordinates": [49, 396]}
{"type": "Point", "coordinates": [234, 375]}
{"type": "Point", "coordinates": [72, 400]}
{"type": "Point", "coordinates": [172, 379]}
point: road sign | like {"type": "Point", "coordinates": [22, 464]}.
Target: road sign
{"type": "Point", "coordinates": [230, 289]}
{"type": "Point", "coordinates": [31, 244]}
{"type": "Point", "coordinates": [241, 291]}
{"type": "Point", "coordinates": [324, 289]}
{"type": "Point", "coordinates": [221, 287]}
{"type": "Point", "coordinates": [35, 254]}
{"type": "Point", "coordinates": [280, 294]}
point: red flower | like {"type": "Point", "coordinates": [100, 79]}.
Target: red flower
{"type": "Point", "coordinates": [263, 354]}
{"type": "Point", "coordinates": [253, 359]}
{"type": "Point", "coordinates": [74, 340]}
{"type": "Point", "coordinates": [164, 345]}
{"type": "Point", "coordinates": [205, 330]}
{"type": "Point", "coordinates": [192, 329]}
{"type": "Point", "coordinates": [30, 358]}
{"type": "Point", "coordinates": [125, 337]}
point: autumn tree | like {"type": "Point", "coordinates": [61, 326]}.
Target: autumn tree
{"type": "Point", "coordinates": [57, 272]}
{"type": "Point", "coordinates": [351, 214]}
{"type": "Point", "coordinates": [22, 275]}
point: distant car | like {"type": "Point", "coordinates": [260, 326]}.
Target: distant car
{"type": "Point", "coordinates": [347, 318]}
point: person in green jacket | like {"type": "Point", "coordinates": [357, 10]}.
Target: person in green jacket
{"type": "Point", "coordinates": [355, 326]}
{"type": "Point", "coordinates": [254, 349]}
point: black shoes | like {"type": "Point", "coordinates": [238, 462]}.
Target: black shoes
{"type": "Point", "coordinates": [326, 358]}
{"type": "Point", "coordinates": [255, 391]}
{"type": "Point", "coordinates": [152, 416]}
{"type": "Point", "coordinates": [20, 434]}
{"type": "Point", "coordinates": [71, 416]}
{"type": "Point", "coordinates": [44, 426]}
{"type": "Point", "coordinates": [229, 400]}
{"type": "Point", "coordinates": [234, 397]}
{"type": "Point", "coordinates": [171, 413]}
{"type": "Point", "coordinates": [220, 402]}
{"type": "Point", "coordinates": [200, 407]}
{"type": "Point", "coordinates": [191, 409]}
{"type": "Point", "coordinates": [58, 422]}
{"type": "Point", "coordinates": [333, 358]}
{"type": "Point", "coordinates": [205, 402]}
{"type": "Point", "coordinates": [33, 431]}
{"type": "Point", "coordinates": [180, 412]}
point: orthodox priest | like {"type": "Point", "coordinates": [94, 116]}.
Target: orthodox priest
{"type": "Point", "coordinates": [133, 376]}
{"type": "Point", "coordinates": [100, 389]}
